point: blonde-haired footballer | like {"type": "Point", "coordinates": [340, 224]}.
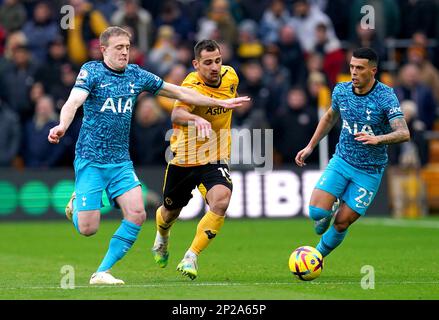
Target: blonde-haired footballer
{"type": "Point", "coordinates": [201, 148]}
{"type": "Point", "coordinates": [108, 91]}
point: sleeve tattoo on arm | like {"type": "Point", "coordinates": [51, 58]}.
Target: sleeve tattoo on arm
{"type": "Point", "coordinates": [400, 132]}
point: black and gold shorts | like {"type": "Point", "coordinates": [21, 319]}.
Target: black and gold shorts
{"type": "Point", "coordinates": [180, 181]}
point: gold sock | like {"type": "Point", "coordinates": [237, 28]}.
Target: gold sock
{"type": "Point", "coordinates": [162, 227]}
{"type": "Point", "coordinates": [208, 227]}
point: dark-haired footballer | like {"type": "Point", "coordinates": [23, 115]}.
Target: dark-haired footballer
{"type": "Point", "coordinates": [201, 149]}
{"type": "Point", "coordinates": [372, 119]}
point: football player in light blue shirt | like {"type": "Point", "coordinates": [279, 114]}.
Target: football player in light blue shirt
{"type": "Point", "coordinates": [371, 119]}
{"type": "Point", "coordinates": [108, 91]}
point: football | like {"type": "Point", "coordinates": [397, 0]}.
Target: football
{"type": "Point", "coordinates": [306, 263]}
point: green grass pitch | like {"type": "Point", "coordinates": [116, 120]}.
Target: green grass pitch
{"type": "Point", "coordinates": [248, 260]}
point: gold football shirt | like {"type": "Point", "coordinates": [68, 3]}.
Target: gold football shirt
{"type": "Point", "coordinates": [190, 150]}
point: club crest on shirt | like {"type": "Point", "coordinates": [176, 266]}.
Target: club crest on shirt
{"type": "Point", "coordinates": [232, 88]}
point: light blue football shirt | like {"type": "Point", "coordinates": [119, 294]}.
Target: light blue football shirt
{"type": "Point", "coordinates": [370, 112]}
{"type": "Point", "coordinates": [104, 134]}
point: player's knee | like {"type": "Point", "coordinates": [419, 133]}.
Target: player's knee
{"type": "Point", "coordinates": [87, 230]}
{"type": "Point", "coordinates": [170, 215]}
{"type": "Point", "coordinates": [219, 201]}
{"type": "Point", "coordinates": [219, 206]}
{"type": "Point", "coordinates": [316, 213]}
{"type": "Point", "coordinates": [341, 226]}
{"type": "Point", "coordinates": [136, 216]}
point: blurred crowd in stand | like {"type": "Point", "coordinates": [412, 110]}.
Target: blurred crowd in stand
{"type": "Point", "coordinates": [289, 55]}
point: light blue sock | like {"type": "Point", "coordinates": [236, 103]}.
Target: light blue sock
{"type": "Point", "coordinates": [330, 240]}
{"type": "Point", "coordinates": [120, 243]}
{"type": "Point", "coordinates": [318, 213]}
{"type": "Point", "coordinates": [75, 215]}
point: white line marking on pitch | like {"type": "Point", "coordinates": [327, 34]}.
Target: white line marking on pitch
{"type": "Point", "coordinates": [216, 284]}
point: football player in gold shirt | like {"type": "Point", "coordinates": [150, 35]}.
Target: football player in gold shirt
{"type": "Point", "coordinates": [201, 148]}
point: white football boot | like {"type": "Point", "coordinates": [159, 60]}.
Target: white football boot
{"type": "Point", "coordinates": [104, 277]}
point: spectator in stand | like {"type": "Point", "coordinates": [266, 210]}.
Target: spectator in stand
{"type": "Point", "coordinates": [293, 128]}
{"type": "Point", "coordinates": [305, 19]}
{"type": "Point", "coordinates": [49, 73]}
{"type": "Point", "coordinates": [249, 46]}
{"type": "Point", "coordinates": [18, 78]}
{"type": "Point", "coordinates": [276, 77]}
{"type": "Point", "coordinates": [89, 24]}
{"type": "Point", "coordinates": [291, 55]}
{"type": "Point", "coordinates": [330, 50]}
{"type": "Point", "coordinates": [253, 82]}
{"type": "Point", "coordinates": [208, 29]}
{"type": "Point", "coordinates": [219, 15]}
{"type": "Point", "coordinates": [61, 90]}
{"type": "Point", "coordinates": [140, 22]}
{"type": "Point", "coordinates": [164, 53]}
{"type": "Point", "coordinates": [368, 38]}
{"type": "Point", "coordinates": [428, 74]}
{"type": "Point", "coordinates": [37, 151]}
{"type": "Point", "coordinates": [13, 41]}
{"type": "Point", "coordinates": [37, 91]}
{"type": "Point", "coordinates": [175, 76]}
{"type": "Point", "coordinates": [12, 15]}
{"type": "Point", "coordinates": [419, 39]}
{"type": "Point", "coordinates": [314, 63]}
{"type": "Point", "coordinates": [10, 135]}
{"type": "Point", "coordinates": [40, 31]}
{"type": "Point", "coordinates": [148, 133]}
{"type": "Point", "coordinates": [185, 53]}
{"type": "Point", "coordinates": [318, 92]}
{"type": "Point", "coordinates": [411, 88]}
{"type": "Point", "coordinates": [171, 15]}
{"type": "Point", "coordinates": [274, 17]}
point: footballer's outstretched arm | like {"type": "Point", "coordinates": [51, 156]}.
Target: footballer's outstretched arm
{"type": "Point", "coordinates": [76, 98]}
{"type": "Point", "coordinates": [325, 125]}
{"type": "Point", "coordinates": [400, 133]}
{"type": "Point", "coordinates": [181, 115]}
{"type": "Point", "coordinates": [192, 97]}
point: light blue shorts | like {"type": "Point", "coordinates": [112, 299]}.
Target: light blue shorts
{"type": "Point", "coordinates": [356, 187]}
{"type": "Point", "coordinates": [91, 179]}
